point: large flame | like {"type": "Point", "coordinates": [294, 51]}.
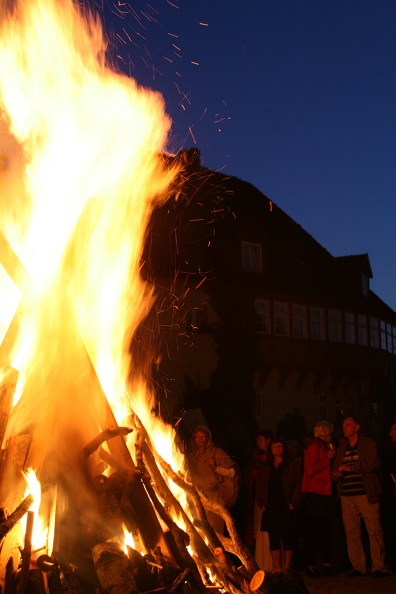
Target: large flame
{"type": "Point", "coordinates": [81, 171]}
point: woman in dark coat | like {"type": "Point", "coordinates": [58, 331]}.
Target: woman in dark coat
{"type": "Point", "coordinates": [278, 494]}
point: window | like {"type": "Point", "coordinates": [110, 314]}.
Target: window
{"type": "Point", "coordinates": [389, 337]}
{"type": "Point", "coordinates": [263, 316]}
{"type": "Point", "coordinates": [374, 333]}
{"type": "Point", "coordinates": [350, 328]}
{"type": "Point", "coordinates": [362, 330]}
{"type": "Point", "coordinates": [383, 335]}
{"type": "Point", "coordinates": [252, 260]}
{"type": "Point", "coordinates": [281, 319]}
{"type": "Point", "coordinates": [318, 331]}
{"type": "Point", "coordinates": [300, 326]}
{"type": "Point", "coordinates": [335, 325]}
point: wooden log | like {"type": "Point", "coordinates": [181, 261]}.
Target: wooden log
{"type": "Point", "coordinates": [224, 573]}
{"type": "Point", "coordinates": [144, 577]}
{"type": "Point", "coordinates": [11, 486]}
{"type": "Point", "coordinates": [15, 516]}
{"type": "Point", "coordinates": [115, 573]}
{"type": "Point", "coordinates": [26, 554]}
{"type": "Point", "coordinates": [7, 389]}
{"type": "Point", "coordinates": [35, 582]}
{"type": "Point", "coordinates": [283, 581]}
{"type": "Point", "coordinates": [73, 584]}
{"type": "Point", "coordinates": [10, 582]}
{"type": "Point", "coordinates": [105, 435]}
{"type": "Point", "coordinates": [54, 580]}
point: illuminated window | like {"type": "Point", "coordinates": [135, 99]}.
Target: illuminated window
{"type": "Point", "coordinates": [350, 328]}
{"type": "Point", "coordinates": [300, 323]}
{"type": "Point", "coordinates": [318, 330]}
{"type": "Point", "coordinates": [263, 315]}
{"type": "Point", "coordinates": [252, 258]}
{"type": "Point", "coordinates": [281, 319]}
{"type": "Point", "coordinates": [335, 325]}
{"type": "Point", "coordinates": [374, 333]}
{"type": "Point", "coordinates": [362, 330]}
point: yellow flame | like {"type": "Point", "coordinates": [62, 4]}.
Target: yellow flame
{"type": "Point", "coordinates": [82, 172]}
{"type": "Point", "coordinates": [87, 146]}
{"type": "Point", "coordinates": [128, 540]}
{"type": "Point", "coordinates": [40, 530]}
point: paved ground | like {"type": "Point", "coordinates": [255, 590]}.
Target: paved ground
{"type": "Point", "coordinates": [340, 584]}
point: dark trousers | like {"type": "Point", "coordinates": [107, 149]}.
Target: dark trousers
{"type": "Point", "coordinates": [319, 514]}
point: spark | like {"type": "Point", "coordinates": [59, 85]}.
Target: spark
{"type": "Point", "coordinates": [192, 135]}
{"type": "Point", "coordinates": [204, 24]}
{"type": "Point", "coordinates": [202, 281]}
{"type": "Point", "coordinates": [194, 63]}
{"type": "Point", "coordinates": [127, 34]}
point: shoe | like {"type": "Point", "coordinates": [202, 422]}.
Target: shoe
{"type": "Point", "coordinates": [377, 573]}
{"type": "Point", "coordinates": [354, 573]}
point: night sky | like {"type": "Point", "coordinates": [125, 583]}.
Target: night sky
{"type": "Point", "coordinates": [297, 97]}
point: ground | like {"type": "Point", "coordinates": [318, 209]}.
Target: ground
{"type": "Point", "coordinates": [340, 584]}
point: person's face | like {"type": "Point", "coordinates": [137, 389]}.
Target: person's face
{"type": "Point", "coordinates": [200, 439]}
{"type": "Point", "coordinates": [262, 442]}
{"type": "Point", "coordinates": [392, 432]}
{"type": "Point", "coordinates": [350, 428]}
{"type": "Point", "coordinates": [325, 436]}
{"type": "Point", "coordinates": [277, 449]}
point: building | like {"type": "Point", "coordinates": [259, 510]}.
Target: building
{"type": "Point", "coordinates": [255, 318]}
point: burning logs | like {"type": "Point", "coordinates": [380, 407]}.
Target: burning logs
{"type": "Point", "coordinates": [114, 571]}
{"type": "Point", "coordinates": [90, 552]}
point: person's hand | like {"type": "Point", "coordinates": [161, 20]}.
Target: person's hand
{"type": "Point", "coordinates": [331, 453]}
{"type": "Point", "coordinates": [344, 468]}
{"type": "Point", "coordinates": [212, 463]}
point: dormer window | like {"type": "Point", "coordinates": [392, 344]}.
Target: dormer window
{"type": "Point", "coordinates": [252, 257]}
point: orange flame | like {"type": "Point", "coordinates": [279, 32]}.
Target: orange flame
{"type": "Point", "coordinates": [82, 148]}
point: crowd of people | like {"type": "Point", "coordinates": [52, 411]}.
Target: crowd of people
{"type": "Point", "coordinates": [322, 502]}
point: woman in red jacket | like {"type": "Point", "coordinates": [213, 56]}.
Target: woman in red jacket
{"type": "Point", "coordinates": [319, 500]}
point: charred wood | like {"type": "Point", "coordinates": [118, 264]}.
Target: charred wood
{"type": "Point", "coordinates": [113, 569]}
{"type": "Point", "coordinates": [35, 582]}
{"type": "Point", "coordinates": [10, 579]}
{"type": "Point", "coordinates": [26, 555]}
{"type": "Point", "coordinates": [15, 516]}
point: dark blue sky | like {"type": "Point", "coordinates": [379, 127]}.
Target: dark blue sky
{"type": "Point", "coordinates": [297, 97]}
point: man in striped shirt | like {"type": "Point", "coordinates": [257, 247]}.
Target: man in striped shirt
{"type": "Point", "coordinates": [356, 468]}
